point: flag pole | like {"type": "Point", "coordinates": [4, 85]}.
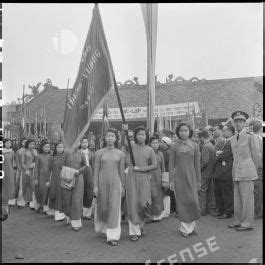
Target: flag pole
{"type": "Point", "coordinates": [123, 120]}
{"type": "Point", "coordinates": [67, 95]}
{"type": "Point", "coordinates": [23, 111]}
{"type": "Point", "coordinates": [102, 124]}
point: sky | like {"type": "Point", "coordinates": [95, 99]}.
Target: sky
{"type": "Point", "coordinates": [211, 41]}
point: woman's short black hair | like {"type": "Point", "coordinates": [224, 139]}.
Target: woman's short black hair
{"type": "Point", "coordinates": [141, 128]}
{"type": "Point", "coordinates": [55, 150]}
{"type": "Point", "coordinates": [152, 138]}
{"type": "Point", "coordinates": [7, 140]}
{"type": "Point", "coordinates": [41, 146]}
{"type": "Point", "coordinates": [23, 139]}
{"type": "Point", "coordinates": [28, 142]}
{"type": "Point", "coordinates": [112, 130]}
{"type": "Point", "coordinates": [184, 124]}
{"type": "Point", "coordinates": [83, 138]}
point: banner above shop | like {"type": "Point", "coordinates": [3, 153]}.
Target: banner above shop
{"type": "Point", "coordinates": [171, 110]}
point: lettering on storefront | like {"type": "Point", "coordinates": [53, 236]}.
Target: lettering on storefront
{"type": "Point", "coordinates": [160, 111]}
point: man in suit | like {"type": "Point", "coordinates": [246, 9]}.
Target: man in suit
{"type": "Point", "coordinates": [207, 167]}
{"type": "Point", "coordinates": [218, 137]}
{"type": "Point", "coordinates": [223, 181]}
{"type": "Point", "coordinates": [246, 163]}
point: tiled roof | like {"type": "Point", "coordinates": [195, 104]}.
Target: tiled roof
{"type": "Point", "coordinates": [221, 97]}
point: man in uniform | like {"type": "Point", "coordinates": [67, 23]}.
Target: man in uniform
{"type": "Point", "coordinates": [246, 162]}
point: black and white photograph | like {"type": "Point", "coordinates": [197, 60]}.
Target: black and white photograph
{"type": "Point", "coordinates": [132, 132]}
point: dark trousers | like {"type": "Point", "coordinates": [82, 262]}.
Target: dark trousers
{"type": "Point", "coordinates": [258, 197]}
{"type": "Point", "coordinates": [88, 188]}
{"type": "Point", "coordinates": [171, 194]}
{"type": "Point", "coordinates": [206, 195]}
{"type": "Point", "coordinates": [224, 196]}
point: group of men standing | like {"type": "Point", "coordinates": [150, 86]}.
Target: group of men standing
{"type": "Point", "coordinates": [232, 171]}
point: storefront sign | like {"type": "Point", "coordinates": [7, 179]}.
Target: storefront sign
{"type": "Point", "coordinates": [141, 112]}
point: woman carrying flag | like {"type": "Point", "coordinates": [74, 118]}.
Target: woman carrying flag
{"type": "Point", "coordinates": [138, 193]}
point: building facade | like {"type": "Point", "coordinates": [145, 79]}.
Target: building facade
{"type": "Point", "coordinates": [215, 99]}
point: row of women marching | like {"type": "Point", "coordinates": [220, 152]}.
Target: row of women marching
{"type": "Point", "coordinates": [107, 186]}
{"type": "Point", "coordinates": [76, 184]}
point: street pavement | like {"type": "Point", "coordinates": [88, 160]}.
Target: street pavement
{"type": "Point", "coordinates": [31, 237]}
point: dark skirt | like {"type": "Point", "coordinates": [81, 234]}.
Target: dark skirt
{"type": "Point", "coordinates": [27, 185]}
{"type": "Point", "coordinates": [73, 199]}
{"type": "Point", "coordinates": [138, 196]}
{"type": "Point", "coordinates": [156, 193]}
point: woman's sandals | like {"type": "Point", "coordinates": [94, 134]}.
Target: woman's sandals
{"type": "Point", "coordinates": [113, 243]}
{"type": "Point", "coordinates": [188, 234]}
{"type": "Point", "coordinates": [134, 238]}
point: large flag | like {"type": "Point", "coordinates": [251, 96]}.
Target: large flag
{"type": "Point", "coordinates": [149, 12]}
{"type": "Point", "coordinates": [94, 79]}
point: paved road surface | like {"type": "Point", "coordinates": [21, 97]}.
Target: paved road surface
{"type": "Point", "coordinates": [38, 238]}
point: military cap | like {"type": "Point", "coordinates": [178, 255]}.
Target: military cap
{"type": "Point", "coordinates": [239, 115]}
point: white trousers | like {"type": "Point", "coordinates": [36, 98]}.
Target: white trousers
{"type": "Point", "coordinates": [33, 203]}
{"type": "Point", "coordinates": [134, 230]}
{"type": "Point", "coordinates": [58, 216]}
{"type": "Point", "coordinates": [76, 223]}
{"type": "Point", "coordinates": [156, 217]}
{"type": "Point", "coordinates": [12, 202]}
{"type": "Point", "coordinates": [187, 227]}
{"type": "Point", "coordinates": [166, 202]}
{"type": "Point", "coordinates": [87, 212]}
{"type": "Point", "coordinates": [46, 208]}
{"type": "Point", "coordinates": [112, 233]}
{"type": "Point", "coordinates": [50, 211]}
{"type": "Point", "coordinates": [67, 218]}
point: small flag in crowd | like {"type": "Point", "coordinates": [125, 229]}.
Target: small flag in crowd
{"type": "Point", "coordinates": [44, 121]}
{"type": "Point", "coordinates": [94, 79]}
{"type": "Point", "coordinates": [36, 125]}
{"type": "Point", "coordinates": [105, 120]}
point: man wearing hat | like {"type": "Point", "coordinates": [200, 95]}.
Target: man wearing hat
{"type": "Point", "coordinates": [246, 162]}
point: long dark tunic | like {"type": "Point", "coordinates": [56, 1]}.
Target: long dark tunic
{"type": "Point", "coordinates": [156, 185]}
{"type": "Point", "coordinates": [185, 171]}
{"type": "Point", "coordinates": [138, 192]}
{"type": "Point", "coordinates": [28, 159]}
{"type": "Point", "coordinates": [54, 169]}
{"type": "Point", "coordinates": [109, 173]}
{"type": "Point", "coordinates": [73, 199]}
{"type": "Point", "coordinates": [8, 167]}
{"type": "Point", "coordinates": [19, 169]}
{"type": "Point", "coordinates": [41, 190]}
{"type": "Point", "coordinates": [88, 180]}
